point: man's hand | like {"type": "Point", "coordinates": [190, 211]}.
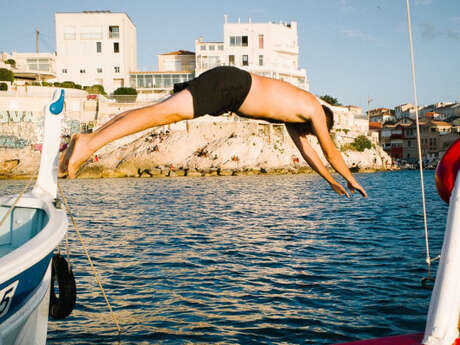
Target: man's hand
{"type": "Point", "coordinates": [338, 188]}
{"type": "Point", "coordinates": [353, 186]}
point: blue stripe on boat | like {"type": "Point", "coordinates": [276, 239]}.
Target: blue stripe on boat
{"type": "Point", "coordinates": [28, 282]}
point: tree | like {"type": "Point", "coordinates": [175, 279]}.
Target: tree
{"type": "Point", "coordinates": [6, 75]}
{"type": "Point", "coordinates": [361, 143]}
{"type": "Point", "coordinates": [11, 62]}
{"type": "Point", "coordinates": [3, 87]}
{"type": "Point", "coordinates": [331, 100]}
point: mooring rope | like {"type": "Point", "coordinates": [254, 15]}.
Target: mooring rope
{"type": "Point", "coordinates": [93, 268]}
{"type": "Point", "coordinates": [428, 259]}
{"type": "Point", "coordinates": [32, 178]}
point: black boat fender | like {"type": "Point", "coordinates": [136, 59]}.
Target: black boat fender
{"type": "Point", "coordinates": [62, 305]}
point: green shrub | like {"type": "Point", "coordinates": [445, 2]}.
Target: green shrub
{"type": "Point", "coordinates": [3, 87]}
{"type": "Point", "coordinates": [6, 75]}
{"type": "Point", "coordinates": [68, 84]}
{"type": "Point", "coordinates": [11, 62]}
{"type": "Point", "coordinates": [359, 144]}
{"type": "Point", "coordinates": [95, 89]}
{"type": "Point", "coordinates": [125, 91]}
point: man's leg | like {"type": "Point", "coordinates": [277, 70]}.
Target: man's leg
{"type": "Point", "coordinates": [176, 108]}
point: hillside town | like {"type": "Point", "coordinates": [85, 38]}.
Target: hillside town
{"type": "Point", "coordinates": [397, 131]}
{"type": "Point", "coordinates": [96, 61]}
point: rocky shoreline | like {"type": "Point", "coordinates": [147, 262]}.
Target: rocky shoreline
{"type": "Point", "coordinates": [192, 150]}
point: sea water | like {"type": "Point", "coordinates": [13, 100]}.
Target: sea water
{"type": "Point", "coordinates": [249, 260]}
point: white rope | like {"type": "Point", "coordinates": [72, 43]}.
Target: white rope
{"type": "Point", "coordinates": [428, 258]}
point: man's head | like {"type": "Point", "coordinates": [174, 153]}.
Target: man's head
{"type": "Point", "coordinates": [329, 117]}
{"type": "Point", "coordinates": [308, 126]}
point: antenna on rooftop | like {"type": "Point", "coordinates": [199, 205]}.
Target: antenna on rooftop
{"type": "Point", "coordinates": [36, 40]}
{"type": "Point", "coordinates": [225, 18]}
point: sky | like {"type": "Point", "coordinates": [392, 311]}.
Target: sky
{"type": "Point", "coordinates": [353, 50]}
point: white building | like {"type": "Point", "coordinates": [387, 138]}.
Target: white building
{"type": "Point", "coordinates": [30, 66]}
{"type": "Point", "coordinates": [350, 118]}
{"type": "Point", "coordinates": [177, 61]}
{"type": "Point", "coordinates": [174, 67]}
{"type": "Point", "coordinates": [95, 47]}
{"type": "Point", "coordinates": [267, 49]}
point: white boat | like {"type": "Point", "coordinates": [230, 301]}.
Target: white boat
{"type": "Point", "coordinates": [31, 227]}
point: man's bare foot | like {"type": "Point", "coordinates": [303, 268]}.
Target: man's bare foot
{"type": "Point", "coordinates": [75, 155]}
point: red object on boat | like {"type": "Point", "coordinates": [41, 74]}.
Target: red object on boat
{"type": "Point", "coordinates": [446, 171]}
{"type": "Point", "coordinates": [411, 339]}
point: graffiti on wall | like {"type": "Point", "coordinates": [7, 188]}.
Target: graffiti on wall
{"type": "Point", "coordinates": [12, 142]}
{"type": "Point", "coordinates": [15, 116]}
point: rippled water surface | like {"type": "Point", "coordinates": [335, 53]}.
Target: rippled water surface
{"type": "Point", "coordinates": [249, 260]}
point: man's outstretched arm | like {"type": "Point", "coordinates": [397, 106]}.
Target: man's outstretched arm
{"type": "Point", "coordinates": [298, 135]}
{"type": "Point", "coordinates": [331, 152]}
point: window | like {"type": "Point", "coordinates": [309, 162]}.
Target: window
{"type": "Point", "coordinates": [238, 41]}
{"type": "Point", "coordinates": [212, 47]}
{"type": "Point", "coordinates": [231, 59]}
{"type": "Point", "coordinates": [114, 31]}
{"type": "Point", "coordinates": [90, 33]}
{"type": "Point", "coordinates": [99, 70]}
{"type": "Point", "coordinates": [69, 33]}
{"type": "Point", "coordinates": [261, 41]}
{"type": "Point", "coordinates": [98, 47]}
{"type": "Point", "coordinates": [221, 47]}
{"type": "Point", "coordinates": [116, 47]}
{"type": "Point", "coordinates": [82, 71]}
{"type": "Point", "coordinates": [64, 70]}
{"type": "Point", "coordinates": [261, 60]}
{"type": "Point", "coordinates": [245, 60]}
{"type": "Point", "coordinates": [117, 69]}
{"type": "Point", "coordinates": [202, 47]}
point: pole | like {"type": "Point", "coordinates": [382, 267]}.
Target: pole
{"type": "Point", "coordinates": [36, 40]}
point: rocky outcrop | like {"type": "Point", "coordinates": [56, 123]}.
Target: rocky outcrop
{"type": "Point", "coordinates": [238, 148]}
{"type": "Point", "coordinates": [204, 149]}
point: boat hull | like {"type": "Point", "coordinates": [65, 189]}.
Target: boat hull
{"type": "Point", "coordinates": [25, 271]}
{"type": "Point", "coordinates": [28, 324]}
{"type": "Point", "coordinates": [411, 339]}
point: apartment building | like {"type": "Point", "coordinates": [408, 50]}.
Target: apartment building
{"type": "Point", "coordinates": [95, 47]}
{"type": "Point", "coordinates": [267, 49]}
{"type": "Point", "coordinates": [381, 115]}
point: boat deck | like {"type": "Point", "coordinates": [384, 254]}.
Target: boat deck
{"type": "Point", "coordinates": [21, 225]}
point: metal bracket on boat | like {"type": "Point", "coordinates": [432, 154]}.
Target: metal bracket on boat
{"type": "Point", "coordinates": [57, 203]}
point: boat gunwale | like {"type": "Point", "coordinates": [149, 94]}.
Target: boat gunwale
{"type": "Point", "coordinates": [40, 245]}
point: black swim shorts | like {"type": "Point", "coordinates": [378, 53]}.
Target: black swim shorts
{"type": "Point", "coordinates": [218, 90]}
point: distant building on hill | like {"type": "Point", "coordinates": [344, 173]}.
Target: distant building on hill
{"type": "Point", "coordinates": [267, 49]}
{"type": "Point", "coordinates": [30, 66]}
{"type": "Point", "coordinates": [177, 61]}
{"type": "Point", "coordinates": [381, 115]}
{"type": "Point", "coordinates": [95, 47]}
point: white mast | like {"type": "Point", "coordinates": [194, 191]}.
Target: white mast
{"type": "Point", "coordinates": [46, 184]}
